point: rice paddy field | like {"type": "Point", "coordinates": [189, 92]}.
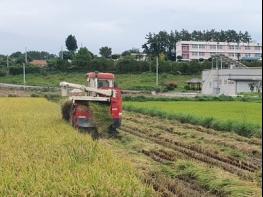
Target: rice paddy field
{"type": "Point", "coordinates": [232, 112]}
{"type": "Point", "coordinates": [42, 155]}
{"type": "Point", "coordinates": [236, 111]}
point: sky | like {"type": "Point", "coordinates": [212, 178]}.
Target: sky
{"type": "Point", "coordinates": [119, 24]}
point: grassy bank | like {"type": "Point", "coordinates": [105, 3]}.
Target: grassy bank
{"type": "Point", "coordinates": [239, 117]}
{"type": "Point", "coordinates": [246, 98]}
{"type": "Point", "coordinates": [41, 155]}
{"type": "Point", "coordinates": [144, 81]}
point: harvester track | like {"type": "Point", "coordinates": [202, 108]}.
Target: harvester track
{"type": "Point", "coordinates": [168, 187]}
{"type": "Point", "coordinates": [156, 133]}
{"type": "Point", "coordinates": [190, 153]}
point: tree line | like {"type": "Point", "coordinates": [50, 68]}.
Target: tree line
{"type": "Point", "coordinates": [165, 43]}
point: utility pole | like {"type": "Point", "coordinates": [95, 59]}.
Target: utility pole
{"type": "Point", "coordinates": [221, 63]}
{"type": "Point", "coordinates": [157, 70]}
{"type": "Point", "coordinates": [26, 55]}
{"type": "Point", "coordinates": [24, 68]}
{"type": "Point", "coordinates": [7, 65]}
{"type": "Point", "coordinates": [24, 74]}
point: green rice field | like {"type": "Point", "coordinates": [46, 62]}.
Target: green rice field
{"type": "Point", "coordinates": [223, 111]}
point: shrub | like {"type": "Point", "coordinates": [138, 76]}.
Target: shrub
{"type": "Point", "coordinates": [35, 95]}
{"type": "Point", "coordinates": [2, 72]}
{"type": "Point", "coordinates": [101, 64]}
{"type": "Point", "coordinates": [18, 69]}
{"type": "Point", "coordinates": [128, 65]}
{"type": "Point", "coordinates": [12, 95]}
{"type": "Point", "coordinates": [171, 85]}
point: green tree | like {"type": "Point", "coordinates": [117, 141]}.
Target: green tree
{"type": "Point", "coordinates": [71, 43]}
{"type": "Point", "coordinates": [40, 55]}
{"type": "Point", "coordinates": [164, 42]}
{"type": "Point", "coordinates": [115, 56]}
{"type": "Point", "coordinates": [82, 57]}
{"type": "Point", "coordinates": [105, 52]}
{"type": "Point", "coordinates": [246, 37]}
{"type": "Point", "coordinates": [66, 55]}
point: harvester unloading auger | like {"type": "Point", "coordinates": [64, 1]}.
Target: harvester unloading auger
{"type": "Point", "coordinates": [100, 89]}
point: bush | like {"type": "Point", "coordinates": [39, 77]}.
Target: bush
{"type": "Point", "coordinates": [18, 69]}
{"type": "Point", "coordinates": [171, 85]}
{"type": "Point", "coordinates": [187, 87]}
{"type": "Point", "coordinates": [12, 95]}
{"type": "Point", "coordinates": [128, 65]}
{"type": "Point", "coordinates": [165, 67]}
{"type": "Point", "coordinates": [2, 72]}
{"type": "Point", "coordinates": [52, 97]}
{"type": "Point", "coordinates": [157, 89]}
{"type": "Point", "coordinates": [35, 95]}
{"type": "Point", "coordinates": [101, 64]}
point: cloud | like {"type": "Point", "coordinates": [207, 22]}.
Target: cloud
{"type": "Point", "coordinates": [121, 24]}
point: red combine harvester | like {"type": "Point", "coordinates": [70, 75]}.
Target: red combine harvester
{"type": "Point", "coordinates": [100, 88]}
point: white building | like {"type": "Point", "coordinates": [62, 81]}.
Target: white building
{"type": "Point", "coordinates": [195, 50]}
{"type": "Point", "coordinates": [231, 80]}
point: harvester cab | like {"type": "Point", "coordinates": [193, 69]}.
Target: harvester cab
{"type": "Point", "coordinates": [100, 88]}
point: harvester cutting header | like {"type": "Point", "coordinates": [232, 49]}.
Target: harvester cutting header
{"type": "Point", "coordinates": [100, 88]}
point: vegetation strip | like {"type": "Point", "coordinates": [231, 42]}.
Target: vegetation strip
{"type": "Point", "coordinates": [142, 98]}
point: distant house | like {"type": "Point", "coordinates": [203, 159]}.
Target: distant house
{"type": "Point", "coordinates": [139, 56]}
{"type": "Point", "coordinates": [39, 63]}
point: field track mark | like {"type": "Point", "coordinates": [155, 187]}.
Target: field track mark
{"type": "Point", "coordinates": [210, 153]}
{"type": "Point", "coordinates": [168, 187]}
{"type": "Point", "coordinates": [193, 154]}
{"type": "Point", "coordinates": [251, 164]}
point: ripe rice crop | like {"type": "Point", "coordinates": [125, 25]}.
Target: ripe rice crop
{"type": "Point", "coordinates": [41, 155]}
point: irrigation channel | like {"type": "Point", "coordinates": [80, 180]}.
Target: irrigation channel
{"type": "Point", "coordinates": [164, 142]}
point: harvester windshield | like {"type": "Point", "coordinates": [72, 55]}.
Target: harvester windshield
{"type": "Point", "coordinates": [103, 83]}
